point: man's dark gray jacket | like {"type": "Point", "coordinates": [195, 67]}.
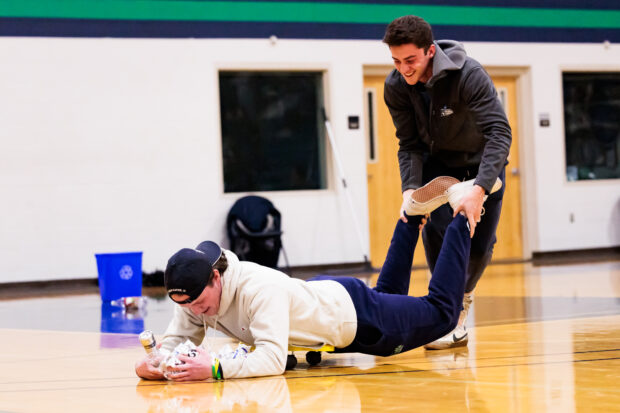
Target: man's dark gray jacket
{"type": "Point", "coordinates": [465, 126]}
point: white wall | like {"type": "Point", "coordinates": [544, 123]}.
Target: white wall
{"type": "Point", "coordinates": [114, 145]}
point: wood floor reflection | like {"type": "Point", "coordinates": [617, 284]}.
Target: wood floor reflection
{"type": "Point", "coordinates": [541, 339]}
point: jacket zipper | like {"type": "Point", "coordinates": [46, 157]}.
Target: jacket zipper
{"type": "Point", "coordinates": [430, 119]}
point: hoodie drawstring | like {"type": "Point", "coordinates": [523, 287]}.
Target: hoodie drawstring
{"type": "Point", "coordinates": [208, 339]}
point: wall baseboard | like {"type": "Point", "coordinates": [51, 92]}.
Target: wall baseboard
{"type": "Point", "coordinates": [576, 256]}
{"type": "Point", "coordinates": [28, 289]}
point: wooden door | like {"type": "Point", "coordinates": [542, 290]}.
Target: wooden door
{"type": "Point", "coordinates": [384, 196]}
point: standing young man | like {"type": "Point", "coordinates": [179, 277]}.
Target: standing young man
{"type": "Point", "coordinates": [449, 121]}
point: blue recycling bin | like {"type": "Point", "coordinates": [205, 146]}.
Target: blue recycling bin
{"type": "Point", "coordinates": [120, 275]}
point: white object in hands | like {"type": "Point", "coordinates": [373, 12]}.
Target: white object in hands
{"type": "Point", "coordinates": [171, 358]}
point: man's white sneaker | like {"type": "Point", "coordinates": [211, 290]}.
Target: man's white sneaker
{"type": "Point", "coordinates": [458, 336]}
{"type": "Point", "coordinates": [457, 191]}
{"type": "Point", "coordinates": [455, 338]}
{"type": "Point", "coordinates": [431, 196]}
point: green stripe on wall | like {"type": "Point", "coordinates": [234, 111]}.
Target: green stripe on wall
{"type": "Point", "coordinates": [306, 12]}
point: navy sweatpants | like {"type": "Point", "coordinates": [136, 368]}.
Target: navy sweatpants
{"type": "Point", "coordinates": [388, 320]}
{"type": "Point", "coordinates": [484, 238]}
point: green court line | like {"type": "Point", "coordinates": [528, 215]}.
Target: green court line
{"type": "Point", "coordinates": [307, 12]}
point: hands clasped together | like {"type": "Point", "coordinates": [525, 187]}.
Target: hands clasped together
{"type": "Point", "coordinates": [186, 363]}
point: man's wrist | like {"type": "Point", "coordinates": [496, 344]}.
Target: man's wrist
{"type": "Point", "coordinates": [479, 190]}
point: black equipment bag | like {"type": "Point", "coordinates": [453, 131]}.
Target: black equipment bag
{"type": "Point", "coordinates": [254, 230]}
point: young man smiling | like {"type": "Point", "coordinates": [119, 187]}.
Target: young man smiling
{"type": "Point", "coordinates": [449, 121]}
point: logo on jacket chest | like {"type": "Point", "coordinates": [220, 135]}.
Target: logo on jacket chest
{"type": "Point", "coordinates": [445, 111]}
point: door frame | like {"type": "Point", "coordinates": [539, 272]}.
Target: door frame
{"type": "Point", "coordinates": [522, 76]}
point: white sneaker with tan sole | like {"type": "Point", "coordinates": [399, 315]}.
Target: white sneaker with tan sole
{"type": "Point", "coordinates": [431, 196]}
{"type": "Point", "coordinates": [457, 337]}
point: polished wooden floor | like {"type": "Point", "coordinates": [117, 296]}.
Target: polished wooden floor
{"type": "Point", "coordinates": [542, 339]}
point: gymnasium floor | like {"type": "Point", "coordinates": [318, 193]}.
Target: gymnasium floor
{"type": "Point", "coordinates": [542, 339]}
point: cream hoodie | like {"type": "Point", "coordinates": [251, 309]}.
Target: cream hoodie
{"type": "Point", "coordinates": [267, 309]}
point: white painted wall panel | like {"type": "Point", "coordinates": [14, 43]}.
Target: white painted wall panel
{"type": "Point", "coordinates": [114, 145]}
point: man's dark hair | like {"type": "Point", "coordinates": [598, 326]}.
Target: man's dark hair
{"type": "Point", "coordinates": [221, 265]}
{"type": "Point", "coordinates": [409, 29]}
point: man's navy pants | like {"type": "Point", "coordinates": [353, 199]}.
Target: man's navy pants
{"type": "Point", "coordinates": [388, 320]}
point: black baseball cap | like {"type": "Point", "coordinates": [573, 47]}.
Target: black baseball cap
{"type": "Point", "coordinates": [189, 271]}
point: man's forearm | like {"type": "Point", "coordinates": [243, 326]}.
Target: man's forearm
{"type": "Point", "coordinates": [410, 164]}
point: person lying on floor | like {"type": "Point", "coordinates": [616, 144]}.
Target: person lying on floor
{"type": "Point", "coordinates": [265, 308]}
